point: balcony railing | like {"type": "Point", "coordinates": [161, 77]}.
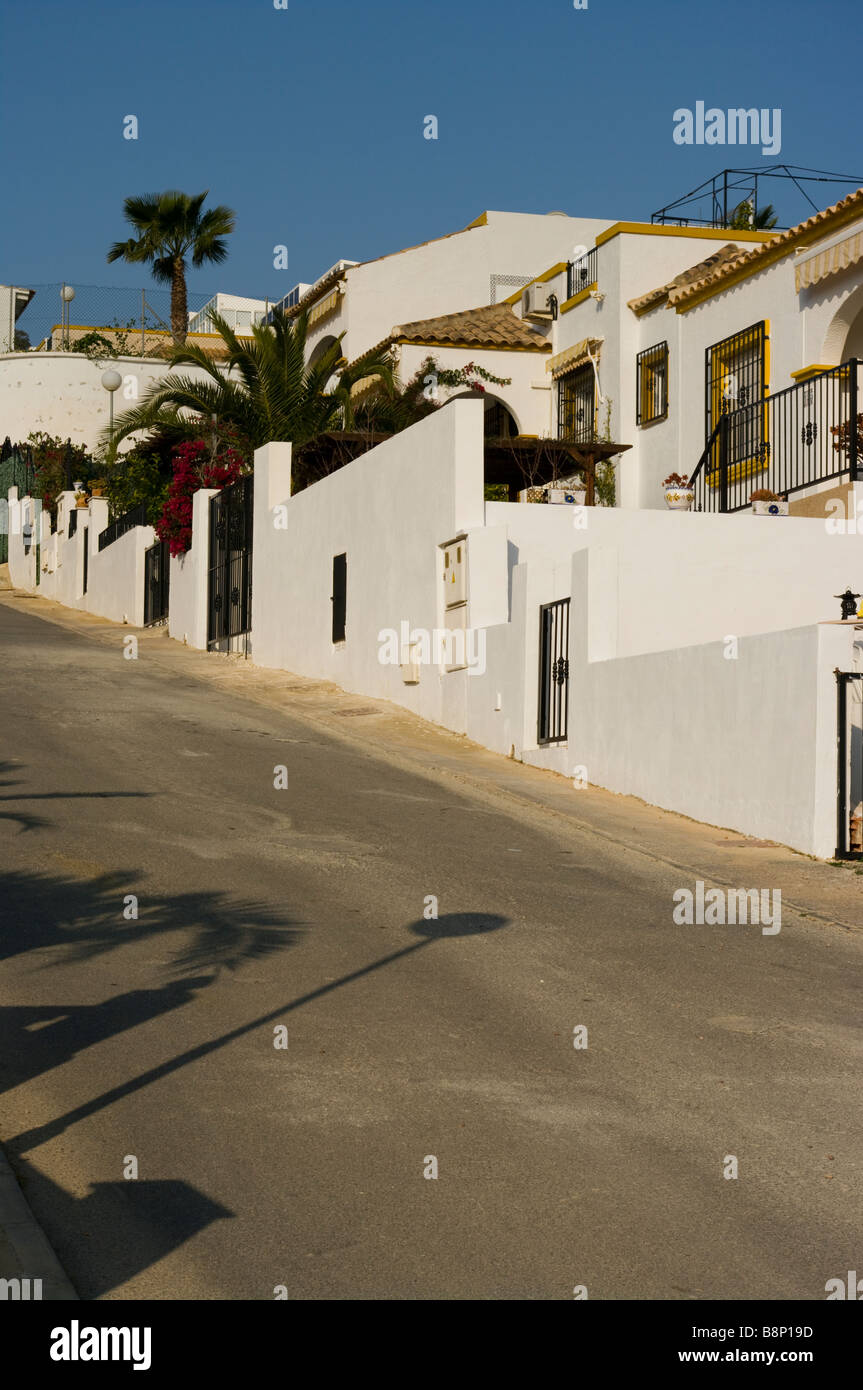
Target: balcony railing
{"type": "Point", "coordinates": [136, 517]}
{"type": "Point", "coordinates": [803, 436]}
{"type": "Point", "coordinates": [581, 274]}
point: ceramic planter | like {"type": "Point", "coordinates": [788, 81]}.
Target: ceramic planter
{"type": "Point", "coordinates": [679, 499]}
{"type": "Point", "coordinates": [769, 508]}
{"type": "Point", "coordinates": [575, 496]}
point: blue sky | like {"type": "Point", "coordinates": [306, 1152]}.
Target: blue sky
{"type": "Point", "coordinates": [309, 121]}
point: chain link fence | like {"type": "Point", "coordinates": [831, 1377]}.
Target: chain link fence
{"type": "Point", "coordinates": [134, 322]}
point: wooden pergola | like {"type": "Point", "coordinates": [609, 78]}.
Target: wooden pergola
{"type": "Point", "coordinates": [524, 461]}
{"type": "Point", "coordinates": [519, 462]}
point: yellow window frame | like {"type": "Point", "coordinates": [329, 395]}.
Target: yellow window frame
{"type": "Point", "coordinates": [722, 358]}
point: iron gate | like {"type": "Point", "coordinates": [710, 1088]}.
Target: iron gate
{"type": "Point", "coordinates": [553, 671]}
{"type": "Point", "coordinates": [849, 780]}
{"type": "Point", "coordinates": [230, 585]}
{"type": "Point", "coordinates": [157, 571]}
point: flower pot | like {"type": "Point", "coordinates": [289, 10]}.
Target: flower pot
{"type": "Point", "coordinates": [574, 496]}
{"type": "Point", "coordinates": [679, 499]}
{"type": "Point", "coordinates": [84, 502]}
{"type": "Point", "coordinates": [770, 508]}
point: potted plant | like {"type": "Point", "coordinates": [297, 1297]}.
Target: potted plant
{"type": "Point", "coordinates": [97, 487]}
{"type": "Point", "coordinates": [679, 493]}
{"type": "Point", "coordinates": [767, 503]}
{"type": "Point", "coordinates": [81, 499]}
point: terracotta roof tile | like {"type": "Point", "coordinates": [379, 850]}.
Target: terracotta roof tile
{"type": "Point", "coordinates": [724, 255]}
{"type": "Point", "coordinates": [492, 325]}
{"type": "Point", "coordinates": [769, 251]}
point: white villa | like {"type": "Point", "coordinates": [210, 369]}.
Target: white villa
{"type": "Point", "coordinates": [699, 659]}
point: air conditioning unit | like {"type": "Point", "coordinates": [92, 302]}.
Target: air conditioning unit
{"type": "Point", "coordinates": [534, 302]}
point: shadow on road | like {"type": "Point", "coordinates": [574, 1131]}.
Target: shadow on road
{"type": "Point", "coordinates": [148, 1218]}
{"type": "Point", "coordinates": [85, 917]}
{"type": "Point", "coordinates": [119, 1228]}
{"type": "Point", "coordinates": [26, 821]}
{"type": "Point", "coordinates": [451, 925]}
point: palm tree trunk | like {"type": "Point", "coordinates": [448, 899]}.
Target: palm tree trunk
{"type": "Point", "coordinates": [179, 311]}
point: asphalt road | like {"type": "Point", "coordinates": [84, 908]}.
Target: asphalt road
{"type": "Point", "coordinates": [152, 1038]}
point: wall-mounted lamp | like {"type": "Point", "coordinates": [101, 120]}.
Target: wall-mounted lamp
{"type": "Point", "coordinates": [849, 604]}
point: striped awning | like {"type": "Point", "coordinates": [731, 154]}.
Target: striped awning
{"type": "Point", "coordinates": [573, 356]}
{"type": "Point", "coordinates": [324, 307]}
{"type": "Point", "coordinates": [828, 262]}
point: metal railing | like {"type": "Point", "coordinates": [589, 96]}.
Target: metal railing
{"type": "Point", "coordinates": [805, 435]}
{"type": "Point", "coordinates": [136, 517]}
{"type": "Point", "coordinates": [581, 274]}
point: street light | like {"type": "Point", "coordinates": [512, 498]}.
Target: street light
{"type": "Point", "coordinates": [111, 381]}
{"type": "Point", "coordinates": [67, 294]}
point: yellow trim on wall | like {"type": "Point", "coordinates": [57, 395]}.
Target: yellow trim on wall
{"type": "Point", "coordinates": [537, 280]}
{"type": "Point", "coordinates": [577, 298]}
{"type": "Point", "coordinates": [803, 373]}
{"type": "Point", "coordinates": [700, 233]}
{"type": "Point", "coordinates": [480, 221]}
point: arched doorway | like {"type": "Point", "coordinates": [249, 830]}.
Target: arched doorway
{"type": "Point", "coordinates": [499, 422]}
{"type": "Point", "coordinates": [320, 348]}
{"type": "Point", "coordinates": [844, 337]}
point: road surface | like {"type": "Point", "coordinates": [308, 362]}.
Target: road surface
{"type": "Point", "coordinates": [411, 1043]}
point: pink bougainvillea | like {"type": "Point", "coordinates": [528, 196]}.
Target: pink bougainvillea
{"type": "Point", "coordinates": [194, 468]}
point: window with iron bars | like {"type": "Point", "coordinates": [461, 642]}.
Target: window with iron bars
{"type": "Point", "coordinates": [576, 405]}
{"type": "Point", "coordinates": [736, 377]}
{"type": "Point", "coordinates": [651, 384]}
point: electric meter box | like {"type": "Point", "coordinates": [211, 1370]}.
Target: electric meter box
{"type": "Point", "coordinates": [455, 572]}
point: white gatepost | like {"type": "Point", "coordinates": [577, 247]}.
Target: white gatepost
{"type": "Point", "coordinates": [269, 541]}
{"type": "Point", "coordinates": [187, 616]}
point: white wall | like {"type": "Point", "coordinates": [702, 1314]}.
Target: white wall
{"type": "Point", "coordinates": [449, 273]}
{"type": "Point", "coordinates": [389, 511]}
{"type": "Point", "coordinates": [62, 392]}
{"type": "Point", "coordinates": [527, 396]}
{"type": "Point", "coordinates": [655, 598]}
{"type": "Point", "coordinates": [115, 586]}
{"type": "Point", "coordinates": [115, 575]}
{"type": "Point", "coordinates": [746, 744]}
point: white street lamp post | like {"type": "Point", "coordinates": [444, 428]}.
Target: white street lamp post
{"type": "Point", "coordinates": [111, 381]}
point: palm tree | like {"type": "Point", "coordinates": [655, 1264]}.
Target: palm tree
{"type": "Point", "coordinates": [170, 226]}
{"type": "Point", "coordinates": [263, 388]}
{"type": "Point", "coordinates": [742, 219]}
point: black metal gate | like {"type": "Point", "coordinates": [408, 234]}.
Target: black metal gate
{"type": "Point", "coordinates": [849, 781]}
{"type": "Point", "coordinates": [230, 587]}
{"type": "Point", "coordinates": [157, 572]}
{"type": "Point", "coordinates": [553, 671]}
{"type": "Point", "coordinates": [86, 557]}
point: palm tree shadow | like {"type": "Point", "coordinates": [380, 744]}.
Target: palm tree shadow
{"type": "Point", "coordinates": [78, 921]}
